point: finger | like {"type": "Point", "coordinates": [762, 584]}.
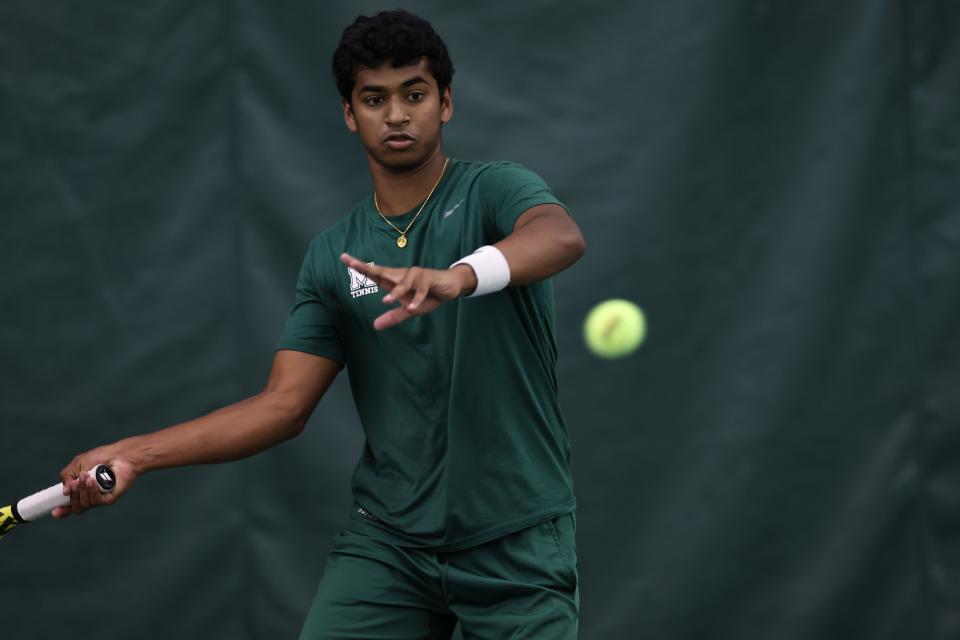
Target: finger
{"type": "Point", "coordinates": [96, 497]}
{"type": "Point", "coordinates": [383, 276]}
{"type": "Point", "coordinates": [419, 297]}
{"type": "Point", "coordinates": [75, 505]}
{"type": "Point", "coordinates": [369, 270]}
{"type": "Point", "coordinates": [60, 512]}
{"type": "Point", "coordinates": [69, 473]}
{"type": "Point", "coordinates": [398, 292]}
{"type": "Point", "coordinates": [347, 259]}
{"type": "Point", "coordinates": [84, 492]}
{"type": "Point", "coordinates": [391, 318]}
{"type": "Point", "coordinates": [66, 475]}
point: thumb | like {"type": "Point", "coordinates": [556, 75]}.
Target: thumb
{"type": "Point", "coordinates": [60, 512]}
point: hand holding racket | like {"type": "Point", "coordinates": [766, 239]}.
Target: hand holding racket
{"type": "Point", "coordinates": [44, 502]}
{"type": "Point", "coordinates": [80, 486]}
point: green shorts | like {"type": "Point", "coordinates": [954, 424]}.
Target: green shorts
{"type": "Point", "coordinates": [523, 585]}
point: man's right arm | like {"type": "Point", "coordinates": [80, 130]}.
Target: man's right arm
{"type": "Point", "coordinates": [297, 382]}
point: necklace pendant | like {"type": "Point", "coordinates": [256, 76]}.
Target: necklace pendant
{"type": "Point", "coordinates": [402, 241]}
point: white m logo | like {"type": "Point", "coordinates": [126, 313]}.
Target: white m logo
{"type": "Point", "coordinates": [358, 280]}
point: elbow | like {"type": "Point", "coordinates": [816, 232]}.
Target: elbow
{"type": "Point", "coordinates": [295, 426]}
{"type": "Point", "coordinates": [296, 422]}
{"type": "Point", "coordinates": [575, 245]}
{"type": "Point", "coordinates": [581, 245]}
{"type": "Point", "coordinates": [289, 416]}
{"type": "Point", "coordinates": [573, 242]}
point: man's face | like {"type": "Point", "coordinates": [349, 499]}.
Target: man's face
{"type": "Point", "coordinates": [398, 113]}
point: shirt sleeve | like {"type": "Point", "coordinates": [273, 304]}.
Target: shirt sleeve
{"type": "Point", "coordinates": [508, 189]}
{"type": "Point", "coordinates": [311, 325]}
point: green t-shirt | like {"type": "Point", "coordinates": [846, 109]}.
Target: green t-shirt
{"type": "Point", "coordinates": [465, 441]}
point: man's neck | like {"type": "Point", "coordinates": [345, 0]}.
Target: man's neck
{"type": "Point", "coordinates": [398, 193]}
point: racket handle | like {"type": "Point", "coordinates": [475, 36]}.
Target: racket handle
{"type": "Point", "coordinates": [43, 502]}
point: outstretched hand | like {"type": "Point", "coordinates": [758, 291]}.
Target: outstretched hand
{"type": "Point", "coordinates": [418, 291]}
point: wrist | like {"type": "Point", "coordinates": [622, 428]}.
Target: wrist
{"type": "Point", "coordinates": [135, 452]}
{"type": "Point", "coordinates": [491, 271]}
{"type": "Point", "coordinates": [466, 279]}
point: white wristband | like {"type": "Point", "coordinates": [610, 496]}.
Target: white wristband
{"type": "Point", "coordinates": [490, 267]}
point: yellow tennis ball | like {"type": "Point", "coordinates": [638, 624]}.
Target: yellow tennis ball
{"type": "Point", "coordinates": [614, 328]}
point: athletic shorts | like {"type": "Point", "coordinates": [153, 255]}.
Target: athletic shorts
{"type": "Point", "coordinates": [521, 586]}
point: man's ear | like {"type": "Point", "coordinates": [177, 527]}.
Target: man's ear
{"type": "Point", "coordinates": [348, 116]}
{"type": "Point", "coordinates": [446, 104]}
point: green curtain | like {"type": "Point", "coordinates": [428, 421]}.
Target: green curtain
{"type": "Point", "coordinates": [777, 184]}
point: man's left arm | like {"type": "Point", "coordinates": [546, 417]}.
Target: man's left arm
{"type": "Point", "coordinates": [545, 240]}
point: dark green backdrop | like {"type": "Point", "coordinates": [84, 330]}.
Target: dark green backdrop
{"type": "Point", "coordinates": [776, 183]}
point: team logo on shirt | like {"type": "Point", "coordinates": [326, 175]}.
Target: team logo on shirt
{"type": "Point", "coordinates": [361, 285]}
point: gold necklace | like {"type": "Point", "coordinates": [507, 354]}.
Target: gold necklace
{"type": "Point", "coordinates": [402, 240]}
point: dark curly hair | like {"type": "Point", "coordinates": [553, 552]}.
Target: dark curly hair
{"type": "Point", "coordinates": [397, 37]}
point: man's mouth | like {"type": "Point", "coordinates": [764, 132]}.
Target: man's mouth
{"type": "Point", "coordinates": [399, 140]}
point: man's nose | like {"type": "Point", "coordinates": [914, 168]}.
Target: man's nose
{"type": "Point", "coordinates": [396, 112]}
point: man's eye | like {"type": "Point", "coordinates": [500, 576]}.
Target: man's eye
{"type": "Point", "coordinates": [373, 101]}
{"type": "Point", "coordinates": [416, 96]}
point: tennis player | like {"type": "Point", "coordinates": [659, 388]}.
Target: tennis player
{"type": "Point", "coordinates": [434, 293]}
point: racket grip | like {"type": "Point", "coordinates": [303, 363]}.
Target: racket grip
{"type": "Point", "coordinates": [43, 502]}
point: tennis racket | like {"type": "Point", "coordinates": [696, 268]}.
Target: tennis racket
{"type": "Point", "coordinates": [43, 502]}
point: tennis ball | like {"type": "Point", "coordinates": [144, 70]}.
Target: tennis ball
{"type": "Point", "coordinates": [614, 328]}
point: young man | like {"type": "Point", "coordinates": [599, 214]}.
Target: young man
{"type": "Point", "coordinates": [463, 494]}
